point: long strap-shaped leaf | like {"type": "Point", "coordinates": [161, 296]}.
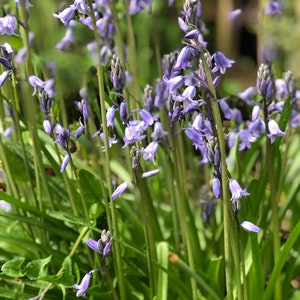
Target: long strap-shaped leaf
{"type": "Point", "coordinates": [282, 259]}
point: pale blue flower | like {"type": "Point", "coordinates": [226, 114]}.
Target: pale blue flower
{"type": "Point", "coordinates": [248, 226]}
{"type": "Point", "coordinates": [119, 190]}
{"type": "Point", "coordinates": [83, 286]}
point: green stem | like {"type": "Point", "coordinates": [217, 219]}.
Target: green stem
{"type": "Point", "coordinates": [224, 179]}
{"type": "Point", "coordinates": [111, 213]}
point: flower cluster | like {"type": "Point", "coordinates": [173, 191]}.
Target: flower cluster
{"type": "Point", "coordinates": [102, 246]}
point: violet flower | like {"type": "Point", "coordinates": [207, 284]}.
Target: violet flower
{"type": "Point", "coordinates": [47, 126]}
{"type": "Point", "coordinates": [65, 162]}
{"type": "Point", "coordinates": [68, 39]}
{"type": "Point", "coordinates": [110, 117]}
{"type": "Point", "coordinates": [123, 112]}
{"type": "Point", "coordinates": [62, 136]}
{"type": "Point", "coordinates": [236, 191]}
{"type": "Point", "coordinates": [66, 15]}
{"type": "Point", "coordinates": [119, 191]}
{"type": "Point", "coordinates": [248, 226]}
{"type": "Point", "coordinates": [4, 76]}
{"type": "Point", "coordinates": [133, 132]}
{"type": "Point", "coordinates": [103, 245]}
{"type": "Point", "coordinates": [84, 284]}
{"type": "Point", "coordinates": [158, 132]}
{"type": "Point", "coordinates": [147, 117]}
{"type": "Point", "coordinates": [274, 131]}
{"type": "Point", "coordinates": [246, 138]}
{"type": "Point", "coordinates": [136, 6]}
{"type": "Point", "coordinates": [117, 74]}
{"type": "Point", "coordinates": [216, 187]}
{"type": "Point", "coordinates": [183, 58]}
{"type": "Point", "coordinates": [27, 3]}
{"type": "Point", "coordinates": [234, 14]}
{"type": "Point", "coordinates": [150, 173]}
{"type": "Point", "coordinates": [273, 8]}
{"type": "Point", "coordinates": [8, 25]}
{"type": "Point", "coordinates": [150, 151]}
{"type": "Point", "coordinates": [221, 62]}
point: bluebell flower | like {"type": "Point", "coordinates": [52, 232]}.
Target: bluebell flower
{"type": "Point", "coordinates": [68, 39]}
{"type": "Point", "coordinates": [255, 112]}
{"type": "Point", "coordinates": [40, 85]}
{"type": "Point", "coordinates": [47, 126]}
{"type": "Point", "coordinates": [273, 8]}
{"type": "Point", "coordinates": [225, 109]}
{"type": "Point", "coordinates": [174, 83]}
{"type": "Point", "coordinates": [6, 63]}
{"type": "Point", "coordinates": [264, 81]}
{"type": "Point", "coordinates": [79, 131]}
{"type": "Point", "coordinates": [236, 191]}
{"type": "Point", "coordinates": [111, 140]}
{"type": "Point", "coordinates": [123, 112]}
{"type": "Point", "coordinates": [193, 34]}
{"type": "Point", "coordinates": [136, 6]}
{"type": "Point", "coordinates": [236, 116]}
{"type": "Point", "coordinates": [148, 98]}
{"type": "Point", "coordinates": [158, 132]}
{"type": "Point", "coordinates": [170, 2]}
{"type": "Point", "coordinates": [117, 74]}
{"type": "Point", "coordinates": [216, 187]}
{"type": "Point", "coordinates": [183, 58]}
{"type": "Point", "coordinates": [234, 14]}
{"type": "Point", "coordinates": [119, 191]}
{"type": "Point", "coordinates": [248, 226]}
{"type": "Point", "coordinates": [7, 52]}
{"type": "Point", "coordinates": [8, 25]}
{"type": "Point", "coordinates": [62, 136]}
{"type": "Point", "coordinates": [188, 93]}
{"type": "Point", "coordinates": [182, 25]}
{"type": "Point", "coordinates": [81, 6]}
{"type": "Point", "coordinates": [66, 15]}
{"type": "Point", "coordinates": [148, 118]}
{"type": "Point", "coordinates": [257, 127]}
{"type": "Point", "coordinates": [107, 249]}
{"type": "Point", "coordinates": [175, 115]}
{"type": "Point", "coordinates": [6, 206]}
{"type": "Point", "coordinates": [246, 138]}
{"type": "Point", "coordinates": [274, 130]}
{"type": "Point", "coordinates": [4, 76]}
{"type": "Point", "coordinates": [27, 3]}
{"type": "Point", "coordinates": [105, 26]}
{"type": "Point", "coordinates": [133, 132]}
{"type": "Point", "coordinates": [161, 94]}
{"type": "Point", "coordinates": [110, 117]}
{"type": "Point", "coordinates": [195, 136]}
{"type": "Point", "coordinates": [83, 286]}
{"type": "Point", "coordinates": [99, 246]}
{"type": "Point", "coordinates": [247, 95]}
{"type": "Point", "coordinates": [221, 62]}
{"type": "Point", "coordinates": [65, 162]}
{"type": "Point", "coordinates": [150, 173]}
{"type": "Point", "coordinates": [150, 151]}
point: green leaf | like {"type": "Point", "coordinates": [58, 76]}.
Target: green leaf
{"type": "Point", "coordinates": [162, 257]}
{"type": "Point", "coordinates": [280, 262]}
{"type": "Point", "coordinates": [34, 268]}
{"type": "Point", "coordinates": [13, 267]}
{"type": "Point", "coordinates": [68, 278]}
{"type": "Point", "coordinates": [89, 186]}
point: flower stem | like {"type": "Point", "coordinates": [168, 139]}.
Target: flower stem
{"type": "Point", "coordinates": [110, 211]}
{"type": "Point", "coordinates": [227, 220]}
